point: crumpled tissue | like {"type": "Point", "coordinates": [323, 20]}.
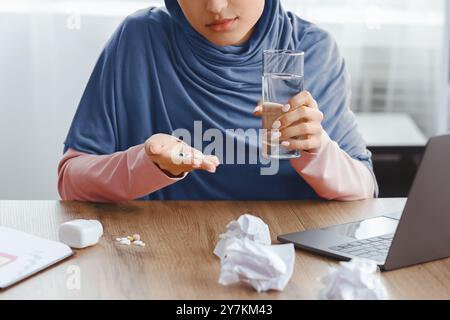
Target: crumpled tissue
{"type": "Point", "coordinates": [356, 279]}
{"type": "Point", "coordinates": [247, 255]}
{"type": "Point", "coordinates": [245, 227]}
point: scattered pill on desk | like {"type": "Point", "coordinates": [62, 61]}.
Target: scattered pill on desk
{"type": "Point", "coordinates": [139, 243]}
{"type": "Point", "coordinates": [128, 240]}
{"type": "Point", "coordinates": [125, 241]}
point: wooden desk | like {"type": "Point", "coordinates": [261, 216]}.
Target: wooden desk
{"type": "Point", "coordinates": [178, 261]}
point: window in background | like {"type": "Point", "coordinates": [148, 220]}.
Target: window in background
{"type": "Point", "coordinates": [393, 48]}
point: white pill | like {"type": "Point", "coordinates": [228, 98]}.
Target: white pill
{"type": "Point", "coordinates": [139, 243]}
{"type": "Point", "coordinates": [125, 241]}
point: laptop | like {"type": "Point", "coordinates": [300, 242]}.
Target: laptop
{"type": "Point", "coordinates": [420, 233]}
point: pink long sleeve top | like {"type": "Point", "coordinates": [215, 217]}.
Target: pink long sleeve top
{"type": "Point", "coordinates": [131, 174]}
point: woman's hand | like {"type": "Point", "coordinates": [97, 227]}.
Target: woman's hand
{"type": "Point", "coordinates": [176, 157]}
{"type": "Point", "coordinates": [300, 127]}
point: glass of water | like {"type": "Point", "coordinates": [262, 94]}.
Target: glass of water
{"type": "Point", "coordinates": [282, 79]}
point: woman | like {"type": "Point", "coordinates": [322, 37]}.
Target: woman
{"type": "Point", "coordinates": [169, 68]}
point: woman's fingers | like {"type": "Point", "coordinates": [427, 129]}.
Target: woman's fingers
{"type": "Point", "coordinates": [213, 159]}
{"type": "Point", "coordinates": [310, 143]}
{"type": "Point", "coordinates": [301, 126]}
{"type": "Point", "coordinates": [300, 129]}
{"type": "Point", "coordinates": [154, 147]}
{"type": "Point", "coordinates": [297, 114]}
{"type": "Point", "coordinates": [192, 159]}
{"type": "Point", "coordinates": [257, 112]}
{"type": "Point", "coordinates": [209, 164]}
{"type": "Point", "coordinates": [304, 98]}
{"type": "Point", "coordinates": [177, 157]}
{"type": "Point", "coordinates": [300, 107]}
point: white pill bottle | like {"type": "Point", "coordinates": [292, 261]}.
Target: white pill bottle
{"type": "Point", "coordinates": [80, 233]}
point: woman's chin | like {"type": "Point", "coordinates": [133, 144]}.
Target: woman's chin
{"type": "Point", "coordinates": [226, 40]}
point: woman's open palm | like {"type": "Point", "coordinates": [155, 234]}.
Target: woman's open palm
{"type": "Point", "coordinates": [176, 157]}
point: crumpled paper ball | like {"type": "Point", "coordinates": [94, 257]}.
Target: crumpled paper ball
{"type": "Point", "coordinates": [357, 279]}
{"type": "Point", "coordinates": [247, 255]}
{"type": "Point", "coordinates": [245, 227]}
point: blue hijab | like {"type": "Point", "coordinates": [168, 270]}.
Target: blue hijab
{"type": "Point", "coordinates": [157, 74]}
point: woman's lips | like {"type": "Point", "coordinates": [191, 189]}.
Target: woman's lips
{"type": "Point", "coordinates": [222, 25]}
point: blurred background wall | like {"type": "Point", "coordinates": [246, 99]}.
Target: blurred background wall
{"type": "Point", "coordinates": [396, 50]}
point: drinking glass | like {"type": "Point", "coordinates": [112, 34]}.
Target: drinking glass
{"type": "Point", "coordinates": [282, 79]}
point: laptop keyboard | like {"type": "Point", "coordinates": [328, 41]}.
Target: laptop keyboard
{"type": "Point", "coordinates": [372, 248]}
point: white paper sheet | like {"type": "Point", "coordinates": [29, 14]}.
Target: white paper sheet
{"type": "Point", "coordinates": [22, 255]}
